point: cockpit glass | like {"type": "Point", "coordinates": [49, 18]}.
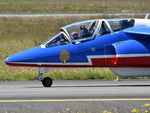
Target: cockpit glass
{"type": "Point", "coordinates": [121, 24]}
{"type": "Point", "coordinates": [81, 30]}
{"type": "Point", "coordinates": [73, 32]}
{"type": "Point", "coordinates": [104, 29]}
{"type": "Point", "coordinates": [59, 39]}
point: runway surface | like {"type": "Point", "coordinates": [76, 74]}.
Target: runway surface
{"type": "Point", "coordinates": [76, 89]}
{"type": "Point", "coordinates": [85, 96]}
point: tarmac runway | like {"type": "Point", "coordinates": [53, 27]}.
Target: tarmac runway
{"type": "Point", "coordinates": [76, 89]}
{"type": "Point", "coordinates": [85, 96]}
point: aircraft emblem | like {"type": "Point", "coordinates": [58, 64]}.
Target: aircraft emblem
{"type": "Point", "coordinates": [64, 56]}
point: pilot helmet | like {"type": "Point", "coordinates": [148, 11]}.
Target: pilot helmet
{"type": "Point", "coordinates": [75, 35]}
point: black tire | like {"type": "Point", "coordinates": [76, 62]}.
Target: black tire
{"type": "Point", "coordinates": [47, 82]}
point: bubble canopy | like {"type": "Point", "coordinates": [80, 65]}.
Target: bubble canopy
{"type": "Point", "coordinates": [72, 32]}
{"type": "Point", "coordinates": [83, 28]}
{"type": "Point", "coordinates": [83, 31]}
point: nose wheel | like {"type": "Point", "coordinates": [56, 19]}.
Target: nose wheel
{"type": "Point", "coordinates": [47, 82]}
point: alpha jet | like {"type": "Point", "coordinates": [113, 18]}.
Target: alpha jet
{"type": "Point", "coordinates": [123, 45]}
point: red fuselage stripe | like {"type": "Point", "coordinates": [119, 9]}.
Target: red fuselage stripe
{"type": "Point", "coordinates": [98, 62]}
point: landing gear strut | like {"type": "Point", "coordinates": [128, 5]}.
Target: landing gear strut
{"type": "Point", "coordinates": [117, 78]}
{"type": "Point", "coordinates": [47, 81]}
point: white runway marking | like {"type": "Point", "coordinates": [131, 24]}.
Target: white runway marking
{"type": "Point", "coordinates": [69, 14]}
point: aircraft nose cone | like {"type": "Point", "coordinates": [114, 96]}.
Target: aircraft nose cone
{"type": "Point", "coordinates": [8, 60]}
{"type": "Point", "coordinates": [11, 59]}
{"type": "Point", "coordinates": [22, 57]}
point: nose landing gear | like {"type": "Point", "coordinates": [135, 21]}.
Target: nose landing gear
{"type": "Point", "coordinates": [47, 81]}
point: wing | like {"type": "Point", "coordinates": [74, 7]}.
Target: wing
{"type": "Point", "coordinates": [138, 30]}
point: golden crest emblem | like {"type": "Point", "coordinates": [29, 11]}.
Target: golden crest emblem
{"type": "Point", "coordinates": [64, 56]}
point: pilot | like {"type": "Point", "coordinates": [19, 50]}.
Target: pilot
{"type": "Point", "coordinates": [75, 35]}
{"type": "Point", "coordinates": [84, 32]}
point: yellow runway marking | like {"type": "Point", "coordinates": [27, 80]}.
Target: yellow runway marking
{"type": "Point", "coordinates": [76, 100]}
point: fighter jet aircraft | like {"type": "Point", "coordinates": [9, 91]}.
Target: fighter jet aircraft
{"type": "Point", "coordinates": [121, 44]}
